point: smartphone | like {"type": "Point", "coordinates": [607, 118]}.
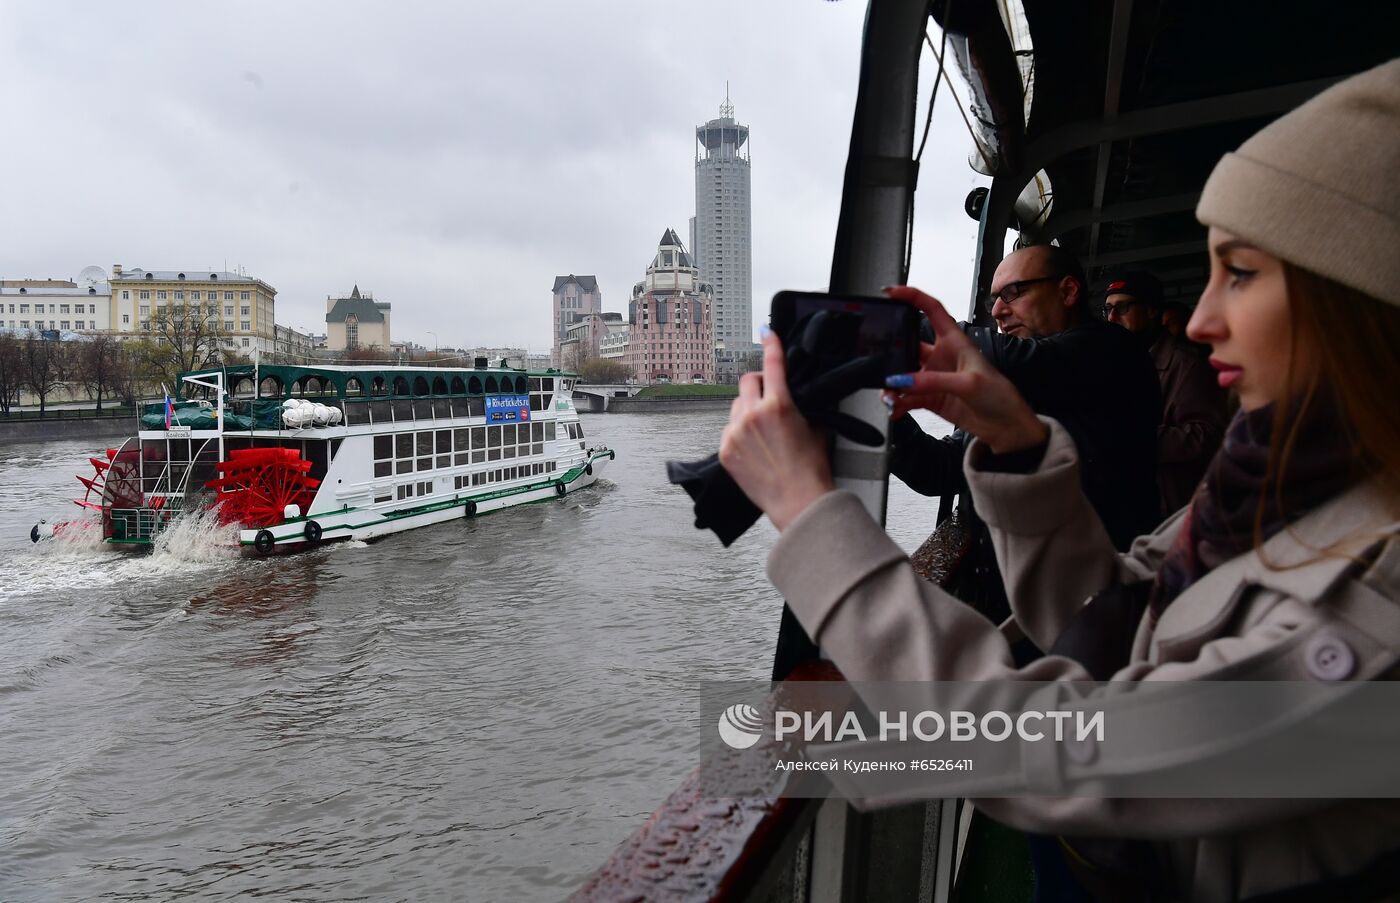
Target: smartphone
{"type": "Point", "coordinates": [850, 327]}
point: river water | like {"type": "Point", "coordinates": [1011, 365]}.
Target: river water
{"type": "Point", "coordinates": [480, 710]}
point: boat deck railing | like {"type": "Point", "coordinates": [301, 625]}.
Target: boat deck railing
{"type": "Point", "coordinates": [777, 848]}
{"type": "Point", "coordinates": [142, 524]}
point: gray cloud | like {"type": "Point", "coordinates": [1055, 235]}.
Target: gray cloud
{"type": "Point", "coordinates": [453, 160]}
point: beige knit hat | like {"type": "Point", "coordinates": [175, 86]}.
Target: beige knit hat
{"type": "Point", "coordinates": [1320, 187]}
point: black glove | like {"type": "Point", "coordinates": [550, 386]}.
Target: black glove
{"type": "Point", "coordinates": [819, 377]}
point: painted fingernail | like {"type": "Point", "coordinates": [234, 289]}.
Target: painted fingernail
{"type": "Point", "coordinates": [764, 331]}
{"type": "Point", "coordinates": [899, 381]}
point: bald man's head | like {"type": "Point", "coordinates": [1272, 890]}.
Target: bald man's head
{"type": "Point", "coordinates": [1038, 291]}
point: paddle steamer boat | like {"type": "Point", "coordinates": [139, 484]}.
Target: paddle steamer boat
{"type": "Point", "coordinates": [299, 455]}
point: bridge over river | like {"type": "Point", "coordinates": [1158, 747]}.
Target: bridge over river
{"type": "Point", "coordinates": [594, 398]}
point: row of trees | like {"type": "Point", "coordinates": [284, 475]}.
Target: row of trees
{"type": "Point", "coordinates": [106, 368]}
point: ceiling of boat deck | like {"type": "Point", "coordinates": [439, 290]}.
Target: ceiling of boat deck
{"type": "Point", "coordinates": [1184, 82]}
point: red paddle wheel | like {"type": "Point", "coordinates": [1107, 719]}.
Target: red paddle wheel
{"type": "Point", "coordinates": [259, 483]}
{"type": "Point", "coordinates": [115, 483]}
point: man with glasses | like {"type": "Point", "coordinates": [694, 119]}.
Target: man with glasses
{"type": "Point", "coordinates": [1193, 407]}
{"type": "Point", "coordinates": [1089, 375]}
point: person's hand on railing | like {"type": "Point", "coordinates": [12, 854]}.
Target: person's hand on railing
{"type": "Point", "coordinates": [769, 448]}
{"type": "Point", "coordinates": [958, 384]}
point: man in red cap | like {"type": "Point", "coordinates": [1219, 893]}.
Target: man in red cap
{"type": "Point", "coordinates": [1193, 407]}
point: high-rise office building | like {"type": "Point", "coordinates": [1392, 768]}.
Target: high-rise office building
{"type": "Point", "coordinates": [721, 234]}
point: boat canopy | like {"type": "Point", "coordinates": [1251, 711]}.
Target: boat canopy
{"type": "Point", "coordinates": [1131, 104]}
{"type": "Point", "coordinates": [282, 381]}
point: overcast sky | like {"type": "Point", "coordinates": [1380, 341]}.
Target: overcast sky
{"type": "Point", "coordinates": [450, 158]}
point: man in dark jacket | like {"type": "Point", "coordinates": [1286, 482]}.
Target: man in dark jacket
{"type": "Point", "coordinates": [1087, 374]}
{"type": "Point", "coordinates": [1193, 405]}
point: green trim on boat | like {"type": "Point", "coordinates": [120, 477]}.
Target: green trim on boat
{"type": "Point", "coordinates": [456, 501]}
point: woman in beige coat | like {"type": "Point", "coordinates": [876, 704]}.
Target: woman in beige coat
{"type": "Point", "coordinates": [1283, 567]}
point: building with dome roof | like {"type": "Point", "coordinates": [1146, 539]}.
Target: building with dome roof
{"type": "Point", "coordinates": [671, 329]}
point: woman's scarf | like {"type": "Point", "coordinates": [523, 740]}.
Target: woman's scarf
{"type": "Point", "coordinates": [1218, 526]}
{"type": "Point", "coordinates": [1226, 506]}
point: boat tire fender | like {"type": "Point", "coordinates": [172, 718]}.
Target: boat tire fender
{"type": "Point", "coordinates": [471, 509]}
{"type": "Point", "coordinates": [264, 541]}
{"type": "Point", "coordinates": [560, 488]}
{"type": "Point", "coordinates": [588, 470]}
{"type": "Point", "coordinates": [34, 533]}
{"type": "Point", "coordinates": [312, 531]}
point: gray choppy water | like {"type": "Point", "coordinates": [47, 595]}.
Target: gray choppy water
{"type": "Point", "coordinates": [480, 710]}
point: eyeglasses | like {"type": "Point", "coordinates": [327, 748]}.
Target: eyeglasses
{"type": "Point", "coordinates": [1119, 308]}
{"type": "Point", "coordinates": [1012, 291]}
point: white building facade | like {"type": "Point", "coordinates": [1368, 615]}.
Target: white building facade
{"type": "Point", "coordinates": [48, 304]}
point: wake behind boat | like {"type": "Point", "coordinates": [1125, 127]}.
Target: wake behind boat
{"type": "Point", "coordinates": [297, 455]}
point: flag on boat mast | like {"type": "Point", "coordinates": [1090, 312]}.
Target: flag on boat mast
{"type": "Point", "coordinates": [169, 408]}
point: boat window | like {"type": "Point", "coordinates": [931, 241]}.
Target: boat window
{"type": "Point", "coordinates": [403, 410]}
{"type": "Point", "coordinates": [458, 387]}
{"type": "Point", "coordinates": [578, 428]}
{"type": "Point", "coordinates": [439, 386]}
{"type": "Point", "coordinates": [383, 495]}
{"type": "Point", "coordinates": [270, 387]}
{"type": "Point", "coordinates": [380, 412]}
{"type": "Point", "coordinates": [243, 387]}
{"type": "Point", "coordinates": [318, 453]}
{"type": "Point", "coordinates": [356, 412]}
{"type": "Point", "coordinates": [442, 407]}
{"type": "Point", "coordinates": [420, 386]}
{"type": "Point", "coordinates": [444, 448]}
{"type": "Point", "coordinates": [522, 385]}
{"type": "Point", "coordinates": [491, 387]}
{"type": "Point", "coordinates": [383, 456]}
{"type": "Point", "coordinates": [376, 386]}
{"type": "Point", "coordinates": [474, 385]}
{"type": "Point", "coordinates": [549, 431]}
{"type": "Point", "coordinates": [312, 386]}
{"type": "Point", "coordinates": [354, 387]}
{"type": "Point", "coordinates": [400, 385]}
{"type": "Point", "coordinates": [476, 407]}
{"type": "Point", "coordinates": [425, 450]}
{"type": "Point", "coordinates": [423, 408]}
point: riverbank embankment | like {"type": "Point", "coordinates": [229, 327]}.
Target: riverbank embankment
{"type": "Point", "coordinates": [13, 432]}
{"type": "Point", "coordinates": [641, 404]}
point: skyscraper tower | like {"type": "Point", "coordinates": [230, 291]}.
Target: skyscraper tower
{"type": "Point", "coordinates": [721, 234]}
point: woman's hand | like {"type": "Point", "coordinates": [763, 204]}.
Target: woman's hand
{"type": "Point", "coordinates": [958, 384]}
{"type": "Point", "coordinates": [769, 448]}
